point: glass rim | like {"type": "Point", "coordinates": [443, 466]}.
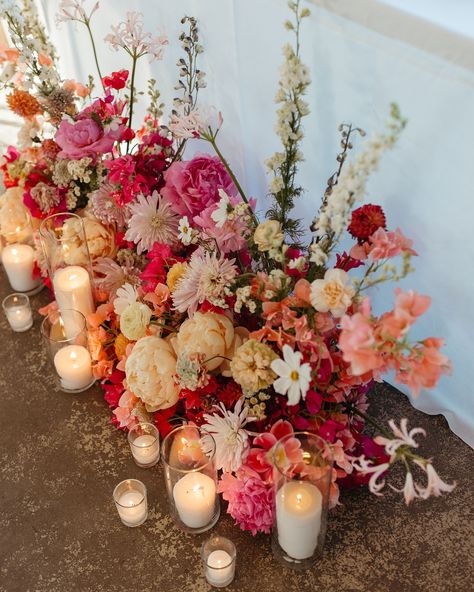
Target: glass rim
{"type": "Point", "coordinates": [142, 493]}
{"type": "Point", "coordinates": [313, 436]}
{"type": "Point", "coordinates": [196, 469]}
{"type": "Point", "coordinates": [156, 435]}
{"type": "Point", "coordinates": [60, 312]}
{"type": "Point", "coordinates": [43, 226]}
{"type": "Point", "coordinates": [19, 295]}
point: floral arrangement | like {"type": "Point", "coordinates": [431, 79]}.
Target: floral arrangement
{"type": "Point", "coordinates": [206, 312]}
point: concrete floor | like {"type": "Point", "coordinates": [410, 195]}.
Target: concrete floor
{"type": "Point", "coordinates": [59, 530]}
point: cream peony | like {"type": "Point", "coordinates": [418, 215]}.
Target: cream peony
{"type": "Point", "coordinates": [134, 320]}
{"type": "Point", "coordinates": [332, 294]}
{"type": "Point", "coordinates": [207, 333]}
{"type": "Point", "coordinates": [100, 240]}
{"type": "Point", "coordinates": [241, 335]}
{"type": "Point", "coordinates": [14, 217]}
{"type": "Point", "coordinates": [250, 366]}
{"type": "Point", "coordinates": [268, 235]}
{"type": "Point", "coordinates": [150, 371]}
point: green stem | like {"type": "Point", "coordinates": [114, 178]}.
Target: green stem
{"type": "Point", "coordinates": [87, 24]}
{"type": "Point", "coordinates": [372, 421]}
{"type": "Point", "coordinates": [132, 89]}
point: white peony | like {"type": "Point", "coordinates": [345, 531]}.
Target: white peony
{"type": "Point", "coordinates": [134, 320]}
{"type": "Point", "coordinates": [332, 294]}
{"type": "Point", "coordinates": [150, 371]}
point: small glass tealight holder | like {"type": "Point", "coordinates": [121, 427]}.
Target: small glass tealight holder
{"type": "Point", "coordinates": [144, 440]}
{"type": "Point", "coordinates": [131, 502]}
{"type": "Point", "coordinates": [18, 312]}
{"type": "Point", "coordinates": [219, 556]}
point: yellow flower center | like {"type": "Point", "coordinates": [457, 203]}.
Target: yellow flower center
{"type": "Point", "coordinates": [333, 293]}
{"type": "Point", "coordinates": [294, 375]}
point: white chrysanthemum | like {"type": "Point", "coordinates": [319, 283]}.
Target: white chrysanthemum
{"type": "Point", "coordinates": [295, 377]}
{"type": "Point", "coordinates": [125, 296]}
{"type": "Point", "coordinates": [232, 440]}
{"type": "Point", "coordinates": [206, 278]}
{"type": "Point", "coordinates": [152, 221]}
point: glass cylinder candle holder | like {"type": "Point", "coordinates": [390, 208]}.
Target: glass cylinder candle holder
{"type": "Point", "coordinates": [64, 244]}
{"type": "Point", "coordinates": [19, 257]}
{"type": "Point", "coordinates": [65, 336]}
{"type": "Point", "coordinates": [131, 502]}
{"type": "Point", "coordinates": [301, 498]}
{"type": "Point", "coordinates": [218, 556]}
{"type": "Point", "coordinates": [144, 440]}
{"type": "Point", "coordinates": [18, 312]}
{"type": "Point", "coordinates": [191, 478]}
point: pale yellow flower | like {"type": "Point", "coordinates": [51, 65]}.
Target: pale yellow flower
{"type": "Point", "coordinates": [175, 274]}
{"type": "Point", "coordinates": [250, 366]}
{"type": "Point", "coordinates": [268, 235]}
{"type": "Point", "coordinates": [332, 294]}
{"type": "Point", "coordinates": [134, 320]}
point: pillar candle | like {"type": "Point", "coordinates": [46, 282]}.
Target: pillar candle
{"type": "Point", "coordinates": [18, 261]}
{"type": "Point", "coordinates": [298, 511]}
{"type": "Point", "coordinates": [72, 288]}
{"type": "Point", "coordinates": [74, 366]}
{"type": "Point", "coordinates": [195, 499]}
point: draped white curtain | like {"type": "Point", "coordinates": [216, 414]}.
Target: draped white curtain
{"type": "Point", "coordinates": [361, 60]}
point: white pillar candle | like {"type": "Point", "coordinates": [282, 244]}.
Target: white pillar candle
{"type": "Point", "coordinates": [74, 366]}
{"type": "Point", "coordinates": [72, 288]}
{"type": "Point", "coordinates": [298, 511]}
{"type": "Point", "coordinates": [20, 318]}
{"type": "Point", "coordinates": [18, 261]}
{"type": "Point", "coordinates": [132, 508]}
{"type": "Point", "coordinates": [145, 449]}
{"type": "Point", "coordinates": [195, 499]}
{"type": "Point", "coordinates": [219, 568]}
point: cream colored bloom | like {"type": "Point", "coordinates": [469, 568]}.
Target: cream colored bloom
{"type": "Point", "coordinates": [150, 371]}
{"type": "Point", "coordinates": [100, 240]}
{"type": "Point", "coordinates": [332, 294]}
{"type": "Point", "coordinates": [14, 219]}
{"type": "Point", "coordinates": [268, 235]}
{"type": "Point", "coordinates": [250, 366]}
{"type": "Point", "coordinates": [206, 333]}
{"type": "Point", "coordinates": [241, 335]}
{"type": "Point", "coordinates": [134, 320]}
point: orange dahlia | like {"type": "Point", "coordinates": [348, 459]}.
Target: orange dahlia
{"type": "Point", "coordinates": [23, 104]}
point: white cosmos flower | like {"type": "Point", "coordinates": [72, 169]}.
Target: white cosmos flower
{"type": "Point", "coordinates": [294, 376]}
{"type": "Point", "coordinates": [185, 231]}
{"type": "Point", "coordinates": [220, 214]}
{"type": "Point", "coordinates": [232, 440]}
{"type": "Point", "coordinates": [125, 296]}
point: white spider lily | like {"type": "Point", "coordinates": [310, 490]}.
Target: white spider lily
{"type": "Point", "coordinates": [365, 466]}
{"type": "Point", "coordinates": [435, 486]}
{"type": "Point", "coordinates": [403, 437]}
{"type": "Point", "coordinates": [409, 490]}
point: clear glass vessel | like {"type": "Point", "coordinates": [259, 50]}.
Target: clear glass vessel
{"type": "Point", "coordinates": [219, 556]}
{"type": "Point", "coordinates": [131, 502]}
{"type": "Point", "coordinates": [144, 440]}
{"type": "Point", "coordinates": [18, 312]}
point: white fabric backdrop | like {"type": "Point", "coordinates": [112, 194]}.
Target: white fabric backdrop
{"type": "Point", "coordinates": [425, 184]}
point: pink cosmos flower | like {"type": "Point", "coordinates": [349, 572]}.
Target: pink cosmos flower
{"type": "Point", "coordinates": [85, 138]}
{"type": "Point", "coordinates": [385, 245]}
{"type": "Point", "coordinates": [193, 186]}
{"type": "Point", "coordinates": [250, 499]}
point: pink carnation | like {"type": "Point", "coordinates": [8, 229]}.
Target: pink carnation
{"type": "Point", "coordinates": [193, 186]}
{"type": "Point", "coordinates": [85, 138]}
{"type": "Point", "coordinates": [250, 499]}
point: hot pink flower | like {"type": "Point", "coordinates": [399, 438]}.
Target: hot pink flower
{"type": "Point", "coordinates": [193, 186]}
{"type": "Point", "coordinates": [250, 499]}
{"type": "Point", "coordinates": [85, 138]}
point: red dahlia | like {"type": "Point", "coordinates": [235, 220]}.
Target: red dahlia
{"type": "Point", "coordinates": [365, 221]}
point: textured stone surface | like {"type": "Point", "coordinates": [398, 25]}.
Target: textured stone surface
{"type": "Point", "coordinates": [59, 530]}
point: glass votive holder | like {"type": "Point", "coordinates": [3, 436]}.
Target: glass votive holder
{"type": "Point", "coordinates": [131, 502]}
{"type": "Point", "coordinates": [144, 440]}
{"type": "Point", "coordinates": [65, 336]}
{"type": "Point", "coordinates": [301, 489]}
{"type": "Point", "coordinates": [18, 312]}
{"type": "Point", "coordinates": [219, 556]}
{"type": "Point", "coordinates": [191, 478]}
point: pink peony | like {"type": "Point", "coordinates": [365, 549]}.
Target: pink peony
{"type": "Point", "coordinates": [85, 138]}
{"type": "Point", "coordinates": [250, 499]}
{"type": "Point", "coordinates": [193, 186]}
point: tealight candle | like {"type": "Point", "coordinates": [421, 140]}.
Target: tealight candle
{"type": "Point", "coordinates": [74, 365]}
{"type": "Point", "coordinates": [72, 288]}
{"type": "Point", "coordinates": [18, 312]}
{"type": "Point", "coordinates": [18, 261]}
{"type": "Point", "coordinates": [131, 502]}
{"type": "Point", "coordinates": [298, 513]}
{"type": "Point", "coordinates": [218, 555]}
{"type": "Point", "coordinates": [144, 443]}
{"type": "Point", "coordinates": [194, 496]}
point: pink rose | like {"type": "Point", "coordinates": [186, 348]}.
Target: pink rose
{"type": "Point", "coordinates": [193, 186]}
{"type": "Point", "coordinates": [85, 138]}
